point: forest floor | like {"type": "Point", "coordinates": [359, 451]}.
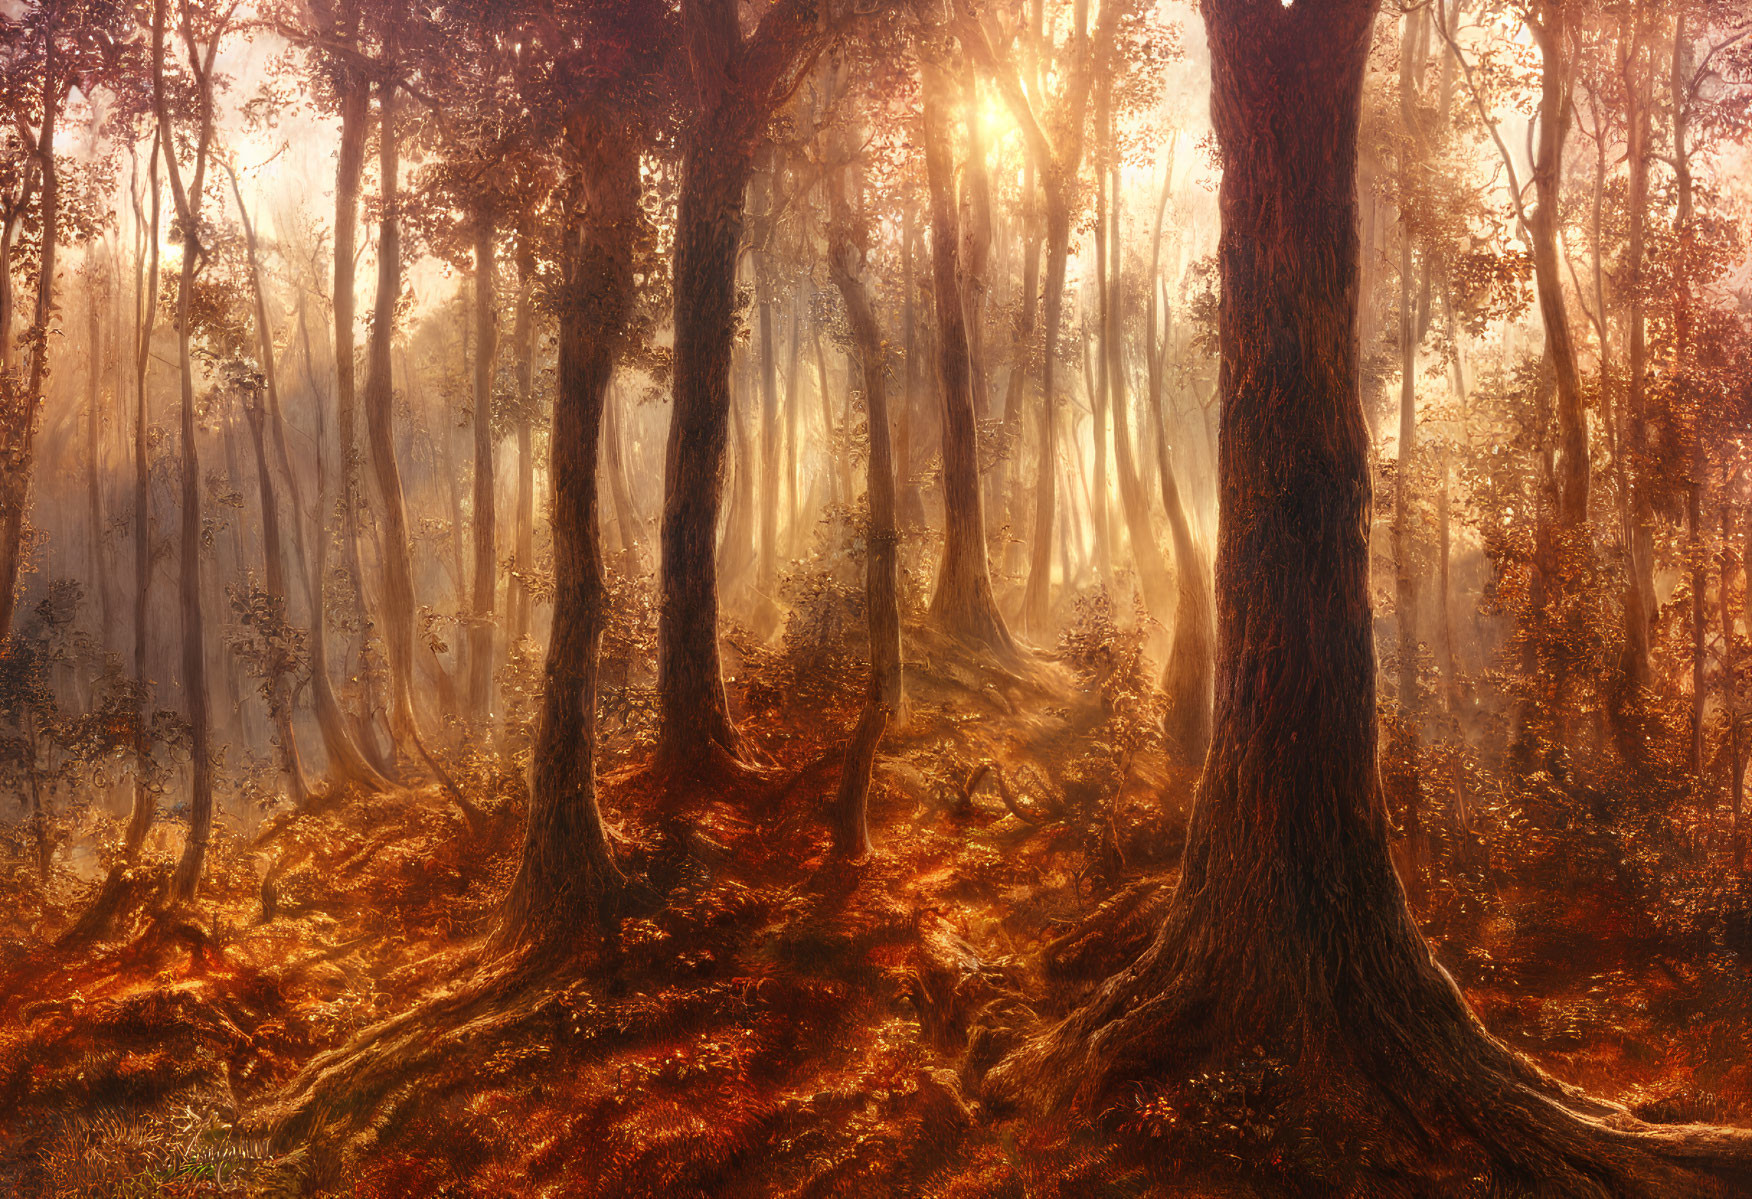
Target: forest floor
{"type": "Point", "coordinates": [326, 1021]}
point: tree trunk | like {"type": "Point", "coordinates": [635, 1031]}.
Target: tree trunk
{"type": "Point", "coordinates": [1146, 553]}
{"type": "Point", "coordinates": [626, 516]}
{"type": "Point", "coordinates": [485, 520]}
{"type": "Point", "coordinates": [1639, 600]}
{"type": "Point", "coordinates": [18, 412]}
{"type": "Point", "coordinates": [1288, 936]}
{"type": "Point", "coordinates": [1555, 113]}
{"type": "Point", "coordinates": [379, 402]}
{"type": "Point", "coordinates": [1096, 384]}
{"type": "Point", "coordinates": [355, 109]}
{"type": "Point", "coordinates": [696, 714]}
{"type": "Point", "coordinates": [100, 574]}
{"type": "Point", "coordinates": [963, 605]}
{"type": "Point", "coordinates": [280, 681]}
{"type": "Point", "coordinates": [767, 573]}
{"type": "Point", "coordinates": [194, 641]}
{"type": "Point", "coordinates": [567, 874]}
{"type": "Point", "coordinates": [522, 353]}
{"type": "Point", "coordinates": [851, 833]}
{"type": "Point", "coordinates": [347, 763]}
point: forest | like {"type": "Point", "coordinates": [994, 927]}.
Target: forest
{"type": "Point", "coordinates": [839, 598]}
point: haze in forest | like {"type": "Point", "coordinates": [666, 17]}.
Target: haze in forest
{"type": "Point", "coordinates": [1134, 576]}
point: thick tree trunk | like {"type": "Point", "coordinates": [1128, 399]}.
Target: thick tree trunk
{"type": "Point", "coordinates": [567, 874]}
{"type": "Point", "coordinates": [696, 714]}
{"type": "Point", "coordinates": [484, 518]}
{"type": "Point", "coordinates": [1288, 935]}
{"type": "Point", "coordinates": [963, 605]}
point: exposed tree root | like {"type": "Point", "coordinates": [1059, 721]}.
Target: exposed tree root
{"type": "Point", "coordinates": [1381, 1051]}
{"type": "Point", "coordinates": [358, 1090]}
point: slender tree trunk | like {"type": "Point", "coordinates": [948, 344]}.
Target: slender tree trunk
{"type": "Point", "coordinates": [379, 402]}
{"type": "Point", "coordinates": [100, 575]}
{"type": "Point", "coordinates": [1639, 602]}
{"type": "Point", "coordinates": [1146, 553]}
{"type": "Point", "coordinates": [626, 516]}
{"type": "Point", "coordinates": [911, 504]}
{"type": "Point", "coordinates": [347, 762]}
{"type": "Point", "coordinates": [354, 88]}
{"type": "Point", "coordinates": [522, 353]}
{"type": "Point", "coordinates": [485, 520]}
{"type": "Point", "coordinates": [851, 833]}
{"type": "Point", "coordinates": [18, 412]}
{"type": "Point", "coordinates": [194, 641]}
{"type": "Point", "coordinates": [280, 683]}
{"type": "Point", "coordinates": [963, 604]}
{"type": "Point", "coordinates": [1730, 690]}
{"type": "Point", "coordinates": [145, 805]}
{"type": "Point", "coordinates": [767, 574]}
{"type": "Point", "coordinates": [1099, 387]}
{"type": "Point", "coordinates": [280, 678]}
{"type": "Point", "coordinates": [567, 873]}
{"type": "Point", "coordinates": [1555, 114]}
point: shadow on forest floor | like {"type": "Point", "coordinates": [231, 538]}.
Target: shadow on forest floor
{"type": "Point", "coordinates": [782, 1024]}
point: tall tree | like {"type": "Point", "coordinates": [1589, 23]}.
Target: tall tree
{"type": "Point", "coordinates": [739, 82]}
{"type": "Point", "coordinates": [963, 604]}
{"type": "Point", "coordinates": [195, 24]}
{"type": "Point", "coordinates": [1288, 933]}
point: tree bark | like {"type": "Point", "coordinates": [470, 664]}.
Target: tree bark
{"type": "Point", "coordinates": [963, 605]}
{"type": "Point", "coordinates": [1551, 32]}
{"type": "Point", "coordinates": [18, 411]}
{"type": "Point", "coordinates": [851, 833]}
{"type": "Point", "coordinates": [194, 641]}
{"type": "Point", "coordinates": [567, 873]}
{"type": "Point", "coordinates": [522, 354]}
{"type": "Point", "coordinates": [1288, 934]}
{"type": "Point", "coordinates": [379, 402]}
{"type": "Point", "coordinates": [347, 763]}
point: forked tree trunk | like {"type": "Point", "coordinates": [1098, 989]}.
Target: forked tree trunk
{"type": "Point", "coordinates": [1288, 935]}
{"type": "Point", "coordinates": [963, 605]}
{"type": "Point", "coordinates": [567, 875]}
